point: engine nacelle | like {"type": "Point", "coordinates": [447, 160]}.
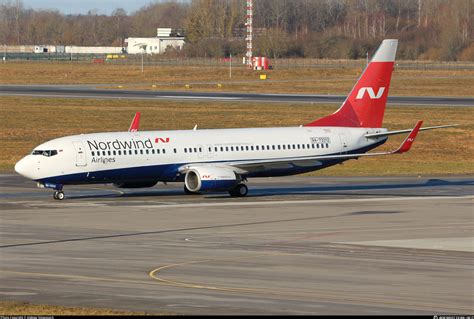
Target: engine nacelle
{"type": "Point", "coordinates": [136, 184]}
{"type": "Point", "coordinates": [207, 179]}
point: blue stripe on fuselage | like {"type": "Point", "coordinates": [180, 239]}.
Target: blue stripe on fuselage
{"type": "Point", "coordinates": [170, 173]}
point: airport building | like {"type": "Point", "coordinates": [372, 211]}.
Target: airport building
{"type": "Point", "coordinates": [164, 39]}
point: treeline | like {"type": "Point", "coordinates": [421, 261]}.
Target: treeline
{"type": "Point", "coordinates": [427, 29]}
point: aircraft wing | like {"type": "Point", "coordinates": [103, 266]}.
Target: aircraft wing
{"type": "Point", "coordinates": [242, 167]}
{"type": "Point", "coordinates": [373, 135]}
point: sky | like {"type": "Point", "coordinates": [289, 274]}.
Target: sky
{"type": "Point", "coordinates": [82, 6]}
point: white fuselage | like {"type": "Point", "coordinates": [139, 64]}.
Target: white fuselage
{"type": "Point", "coordinates": [158, 155]}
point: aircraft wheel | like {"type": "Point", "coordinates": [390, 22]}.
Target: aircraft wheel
{"type": "Point", "coordinates": [58, 195]}
{"type": "Point", "coordinates": [240, 190]}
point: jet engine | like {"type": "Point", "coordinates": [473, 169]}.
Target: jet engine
{"type": "Point", "coordinates": [207, 179]}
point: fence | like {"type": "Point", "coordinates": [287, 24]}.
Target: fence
{"type": "Point", "coordinates": [157, 60]}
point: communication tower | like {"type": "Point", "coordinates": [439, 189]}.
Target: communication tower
{"type": "Point", "coordinates": [249, 37]}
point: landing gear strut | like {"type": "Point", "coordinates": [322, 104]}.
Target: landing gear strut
{"type": "Point", "coordinates": [240, 190]}
{"type": "Point", "coordinates": [58, 195]}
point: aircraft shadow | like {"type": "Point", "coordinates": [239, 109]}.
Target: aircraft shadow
{"type": "Point", "coordinates": [261, 191]}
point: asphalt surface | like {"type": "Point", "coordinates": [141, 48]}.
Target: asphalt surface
{"type": "Point", "coordinates": [72, 91]}
{"type": "Point", "coordinates": [295, 245]}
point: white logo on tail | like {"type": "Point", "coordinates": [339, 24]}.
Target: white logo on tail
{"type": "Point", "coordinates": [371, 93]}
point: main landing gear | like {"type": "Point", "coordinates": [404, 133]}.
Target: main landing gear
{"type": "Point", "coordinates": [240, 190]}
{"type": "Point", "coordinates": [58, 195]}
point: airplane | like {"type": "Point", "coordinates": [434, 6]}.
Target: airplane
{"type": "Point", "coordinates": [221, 160]}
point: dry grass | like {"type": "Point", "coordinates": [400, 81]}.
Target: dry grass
{"type": "Point", "coordinates": [13, 308]}
{"type": "Point", "coordinates": [298, 80]}
{"type": "Point", "coordinates": [28, 122]}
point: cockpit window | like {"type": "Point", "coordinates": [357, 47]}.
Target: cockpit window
{"type": "Point", "coordinates": [46, 153]}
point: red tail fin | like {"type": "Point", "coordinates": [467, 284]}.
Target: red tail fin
{"type": "Point", "coordinates": [365, 105]}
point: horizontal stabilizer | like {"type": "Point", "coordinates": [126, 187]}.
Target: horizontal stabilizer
{"type": "Point", "coordinates": [383, 134]}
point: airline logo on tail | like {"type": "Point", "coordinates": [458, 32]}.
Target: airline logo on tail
{"type": "Point", "coordinates": [371, 93]}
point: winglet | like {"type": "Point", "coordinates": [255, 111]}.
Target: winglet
{"type": "Point", "coordinates": [135, 123]}
{"type": "Point", "coordinates": [406, 145]}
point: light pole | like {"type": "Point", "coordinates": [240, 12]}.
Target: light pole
{"type": "Point", "coordinates": [230, 66]}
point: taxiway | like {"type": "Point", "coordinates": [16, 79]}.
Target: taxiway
{"type": "Point", "coordinates": [295, 245]}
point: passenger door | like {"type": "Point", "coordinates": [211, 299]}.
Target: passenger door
{"type": "Point", "coordinates": [80, 154]}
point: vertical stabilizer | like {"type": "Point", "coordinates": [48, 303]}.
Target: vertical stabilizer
{"type": "Point", "coordinates": [365, 105]}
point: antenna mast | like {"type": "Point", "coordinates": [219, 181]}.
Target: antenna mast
{"type": "Point", "coordinates": [249, 37]}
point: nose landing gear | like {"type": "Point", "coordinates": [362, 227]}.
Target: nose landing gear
{"type": "Point", "coordinates": [58, 195]}
{"type": "Point", "coordinates": [58, 189]}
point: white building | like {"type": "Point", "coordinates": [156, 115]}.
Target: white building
{"type": "Point", "coordinates": [155, 45]}
{"type": "Point", "coordinates": [92, 50]}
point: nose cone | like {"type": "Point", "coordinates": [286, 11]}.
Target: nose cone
{"type": "Point", "coordinates": [23, 168]}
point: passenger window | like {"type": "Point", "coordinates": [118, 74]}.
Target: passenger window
{"type": "Point", "coordinates": [146, 151]}
{"type": "Point", "coordinates": [130, 152]}
{"type": "Point", "coordinates": [164, 151]}
{"type": "Point", "coordinates": [141, 152]}
{"type": "Point", "coordinates": [222, 149]}
{"type": "Point", "coordinates": [273, 147]}
{"type": "Point", "coordinates": [251, 148]}
{"type": "Point", "coordinates": [173, 150]}
{"type": "Point", "coordinates": [195, 150]}
{"type": "Point", "coordinates": [185, 150]}
{"type": "Point", "coordinates": [231, 148]}
{"type": "Point", "coordinates": [226, 148]}
{"type": "Point", "coordinates": [136, 152]}
{"type": "Point", "coordinates": [119, 152]}
{"type": "Point", "coordinates": [256, 147]}
{"type": "Point", "coordinates": [108, 152]}
{"type": "Point", "coordinates": [247, 148]}
{"type": "Point", "coordinates": [298, 146]}
{"type": "Point", "coordinates": [302, 146]}
{"type": "Point", "coordinates": [215, 148]}
{"type": "Point", "coordinates": [113, 152]}
{"type": "Point", "coordinates": [327, 145]}
{"type": "Point", "coordinates": [92, 153]}
{"type": "Point", "coordinates": [200, 150]}
{"type": "Point", "coordinates": [103, 153]}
